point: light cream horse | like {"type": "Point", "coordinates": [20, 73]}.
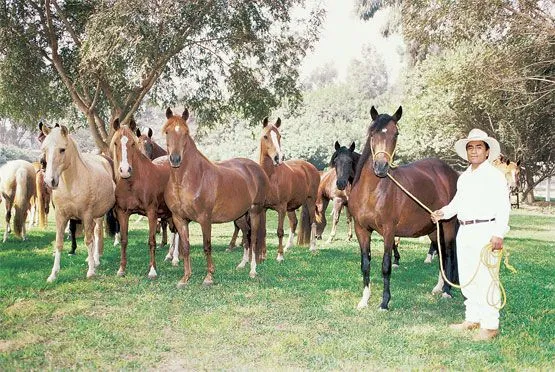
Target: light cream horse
{"type": "Point", "coordinates": [82, 188]}
{"type": "Point", "coordinates": [17, 187]}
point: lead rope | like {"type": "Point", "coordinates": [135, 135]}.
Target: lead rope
{"type": "Point", "coordinates": [490, 258]}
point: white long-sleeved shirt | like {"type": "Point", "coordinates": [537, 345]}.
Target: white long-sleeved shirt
{"type": "Point", "coordinates": [482, 194]}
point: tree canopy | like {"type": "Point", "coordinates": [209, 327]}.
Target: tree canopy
{"type": "Point", "coordinates": [104, 58]}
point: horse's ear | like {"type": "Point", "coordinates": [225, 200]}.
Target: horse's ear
{"type": "Point", "coordinates": [64, 129]}
{"type": "Point", "coordinates": [115, 124]}
{"type": "Point", "coordinates": [44, 128]}
{"type": "Point", "coordinates": [373, 113]}
{"type": "Point", "coordinates": [518, 162]}
{"type": "Point", "coordinates": [138, 132]}
{"type": "Point", "coordinates": [337, 145]}
{"type": "Point", "coordinates": [132, 125]}
{"type": "Point", "coordinates": [352, 148]}
{"type": "Point", "coordinates": [169, 113]}
{"type": "Point", "coordinates": [185, 114]}
{"type": "Point", "coordinates": [57, 125]}
{"type": "Point", "coordinates": [40, 125]}
{"type": "Point", "coordinates": [508, 162]}
{"type": "Point", "coordinates": [278, 123]}
{"type": "Point", "coordinates": [149, 133]}
{"type": "Point", "coordinates": [397, 115]}
{"type": "Point", "coordinates": [265, 122]}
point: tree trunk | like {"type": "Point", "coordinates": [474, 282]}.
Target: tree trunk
{"type": "Point", "coordinates": [528, 194]}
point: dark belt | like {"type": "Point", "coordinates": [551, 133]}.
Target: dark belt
{"type": "Point", "coordinates": [470, 222]}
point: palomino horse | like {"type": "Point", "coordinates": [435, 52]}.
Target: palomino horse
{"type": "Point", "coordinates": [207, 192]}
{"type": "Point", "coordinates": [82, 188]}
{"type": "Point", "coordinates": [510, 169]}
{"type": "Point", "coordinates": [293, 183]}
{"type": "Point", "coordinates": [377, 203]}
{"type": "Point", "coordinates": [140, 185]}
{"type": "Point", "coordinates": [17, 187]}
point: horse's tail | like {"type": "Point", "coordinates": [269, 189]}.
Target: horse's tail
{"type": "Point", "coordinates": [303, 239]}
{"type": "Point", "coordinates": [23, 193]}
{"type": "Point", "coordinates": [112, 225]}
{"type": "Point", "coordinates": [41, 199]}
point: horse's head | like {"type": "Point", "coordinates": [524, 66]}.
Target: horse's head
{"type": "Point", "coordinates": [177, 134]}
{"type": "Point", "coordinates": [122, 149]}
{"type": "Point", "coordinates": [270, 142]}
{"type": "Point", "coordinates": [145, 142]}
{"type": "Point", "coordinates": [57, 148]}
{"type": "Point", "coordinates": [344, 160]}
{"type": "Point", "coordinates": [510, 169]}
{"type": "Point", "coordinates": [382, 139]}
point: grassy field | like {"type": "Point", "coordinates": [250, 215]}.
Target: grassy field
{"type": "Point", "coordinates": [297, 315]}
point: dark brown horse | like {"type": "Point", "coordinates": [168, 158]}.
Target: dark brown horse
{"type": "Point", "coordinates": [378, 204]}
{"type": "Point", "coordinates": [140, 185]}
{"type": "Point", "coordinates": [206, 192]}
{"type": "Point", "coordinates": [147, 146]}
{"type": "Point", "coordinates": [293, 183]}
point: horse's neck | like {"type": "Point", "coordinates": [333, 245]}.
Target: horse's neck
{"type": "Point", "coordinates": [141, 164]}
{"type": "Point", "coordinates": [194, 160]}
{"type": "Point", "coordinates": [267, 164]}
{"type": "Point", "coordinates": [76, 168]}
{"type": "Point", "coordinates": [157, 150]}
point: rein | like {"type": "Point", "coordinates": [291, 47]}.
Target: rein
{"type": "Point", "coordinates": [490, 258]}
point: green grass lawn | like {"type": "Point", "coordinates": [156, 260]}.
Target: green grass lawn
{"type": "Point", "coordinates": [297, 315]}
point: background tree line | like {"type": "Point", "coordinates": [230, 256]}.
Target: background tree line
{"type": "Point", "coordinates": [486, 64]}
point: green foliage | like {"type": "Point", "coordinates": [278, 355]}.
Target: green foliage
{"type": "Point", "coordinates": [297, 315]}
{"type": "Point", "coordinates": [8, 153]}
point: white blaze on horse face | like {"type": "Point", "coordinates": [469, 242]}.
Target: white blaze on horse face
{"type": "Point", "coordinates": [384, 130]}
{"type": "Point", "coordinates": [124, 166]}
{"type": "Point", "coordinates": [275, 141]}
{"type": "Point", "coordinates": [50, 176]}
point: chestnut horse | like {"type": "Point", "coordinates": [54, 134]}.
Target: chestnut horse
{"type": "Point", "coordinates": [17, 187]}
{"type": "Point", "coordinates": [41, 206]}
{"type": "Point", "coordinates": [206, 192]}
{"type": "Point", "coordinates": [293, 183]}
{"type": "Point", "coordinates": [378, 204]}
{"type": "Point", "coordinates": [82, 188]}
{"type": "Point", "coordinates": [140, 185]}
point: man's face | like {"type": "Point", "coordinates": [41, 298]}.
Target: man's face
{"type": "Point", "coordinates": [476, 152]}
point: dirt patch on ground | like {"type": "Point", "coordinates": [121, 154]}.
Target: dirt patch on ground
{"type": "Point", "coordinates": [542, 207]}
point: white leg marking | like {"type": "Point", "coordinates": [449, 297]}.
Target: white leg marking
{"type": "Point", "coordinates": [244, 260]}
{"type": "Point", "coordinates": [365, 297]}
{"type": "Point", "coordinates": [117, 239]}
{"type": "Point", "coordinates": [152, 273]}
{"type": "Point", "coordinates": [289, 241]}
{"type": "Point", "coordinates": [313, 238]}
{"type": "Point", "coordinates": [55, 267]}
{"type": "Point", "coordinates": [428, 258]}
{"type": "Point", "coordinates": [439, 286]}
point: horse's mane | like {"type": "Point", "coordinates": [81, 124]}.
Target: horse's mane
{"type": "Point", "coordinates": [381, 121]}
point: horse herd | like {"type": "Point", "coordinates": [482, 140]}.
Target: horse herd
{"type": "Point", "coordinates": [182, 185]}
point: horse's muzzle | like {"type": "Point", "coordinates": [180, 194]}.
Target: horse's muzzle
{"type": "Point", "coordinates": [175, 160]}
{"type": "Point", "coordinates": [341, 184]}
{"type": "Point", "coordinates": [381, 169]}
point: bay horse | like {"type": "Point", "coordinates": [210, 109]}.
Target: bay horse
{"type": "Point", "coordinates": [378, 204]}
{"type": "Point", "coordinates": [82, 188]}
{"type": "Point", "coordinates": [207, 192]}
{"type": "Point", "coordinates": [147, 145]}
{"type": "Point", "coordinates": [140, 185]}
{"type": "Point", "coordinates": [293, 183]}
{"type": "Point", "coordinates": [17, 187]}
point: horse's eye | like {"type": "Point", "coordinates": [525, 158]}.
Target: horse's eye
{"type": "Point", "coordinates": [62, 151]}
{"type": "Point", "coordinates": [265, 137]}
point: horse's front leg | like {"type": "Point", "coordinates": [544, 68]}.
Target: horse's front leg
{"type": "Point", "coordinates": [8, 218]}
{"type": "Point", "coordinates": [98, 239]}
{"type": "Point", "coordinates": [292, 216]}
{"type": "Point", "coordinates": [281, 217]}
{"type": "Point", "coordinates": [363, 237]}
{"type": "Point", "coordinates": [182, 227]}
{"type": "Point", "coordinates": [88, 227]}
{"type": "Point", "coordinates": [349, 224]}
{"type": "Point", "coordinates": [72, 232]}
{"type": "Point", "coordinates": [389, 241]}
{"type": "Point", "coordinates": [396, 254]}
{"type": "Point", "coordinates": [257, 220]}
{"type": "Point", "coordinates": [242, 223]}
{"type": "Point", "coordinates": [61, 222]}
{"type": "Point", "coordinates": [164, 227]}
{"type": "Point", "coordinates": [152, 222]}
{"type": "Point", "coordinates": [336, 213]}
{"type": "Point", "coordinates": [123, 220]}
{"type": "Point", "coordinates": [206, 227]}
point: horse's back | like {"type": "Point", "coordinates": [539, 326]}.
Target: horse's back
{"type": "Point", "coordinates": [250, 172]}
{"type": "Point", "coordinates": [11, 171]}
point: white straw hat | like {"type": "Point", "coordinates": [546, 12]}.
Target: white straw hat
{"type": "Point", "coordinates": [478, 135]}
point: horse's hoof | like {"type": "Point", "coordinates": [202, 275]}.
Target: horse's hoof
{"type": "Point", "coordinates": [383, 308]}
{"type": "Point", "coordinates": [252, 274]}
{"type": "Point", "coordinates": [362, 305]}
{"type": "Point", "coordinates": [329, 241]}
{"type": "Point", "coordinates": [90, 274]}
{"type": "Point", "coordinates": [446, 295]}
{"type": "Point", "coordinates": [71, 254]}
{"type": "Point", "coordinates": [51, 278]}
{"type": "Point", "coordinates": [436, 290]}
{"type": "Point", "coordinates": [168, 258]}
{"type": "Point", "coordinates": [207, 282]}
{"type": "Point", "coordinates": [280, 258]}
{"type": "Point", "coordinates": [121, 272]}
{"type": "Point", "coordinates": [152, 276]}
{"type": "Point", "coordinates": [181, 283]}
{"type": "Point", "coordinates": [395, 266]}
{"type": "Point", "coordinates": [175, 262]}
{"type": "Point", "coordinates": [241, 266]}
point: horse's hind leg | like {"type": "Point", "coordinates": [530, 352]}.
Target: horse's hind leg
{"type": "Point", "coordinates": [72, 231]}
{"type": "Point", "coordinates": [363, 237]}
{"type": "Point", "coordinates": [164, 226]}
{"type": "Point", "coordinates": [281, 218]}
{"type": "Point", "coordinates": [182, 227]}
{"type": "Point", "coordinates": [233, 241]}
{"type": "Point", "coordinates": [432, 251]}
{"type": "Point", "coordinates": [292, 216]}
{"type": "Point", "coordinates": [386, 270]}
{"type": "Point", "coordinates": [61, 223]}
{"type": "Point", "coordinates": [8, 218]}
{"type": "Point", "coordinates": [123, 220]}
{"type": "Point", "coordinates": [256, 219]}
{"type": "Point", "coordinates": [396, 255]}
{"type": "Point", "coordinates": [89, 229]}
{"type": "Point", "coordinates": [206, 227]}
{"type": "Point", "coordinates": [349, 223]}
{"type": "Point", "coordinates": [98, 240]}
{"type": "Point", "coordinates": [243, 224]}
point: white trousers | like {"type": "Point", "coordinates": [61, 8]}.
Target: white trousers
{"type": "Point", "coordinates": [480, 293]}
